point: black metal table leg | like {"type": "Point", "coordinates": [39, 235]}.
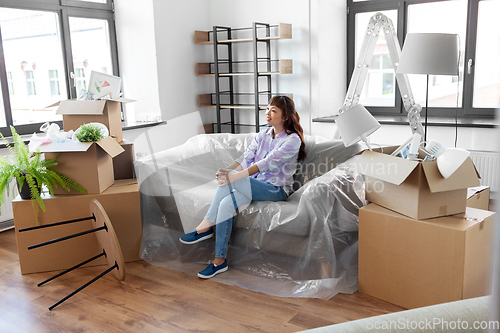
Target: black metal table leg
{"type": "Point", "coordinates": [85, 285]}
{"type": "Point", "coordinates": [58, 223]}
{"type": "Point", "coordinates": [72, 268]}
{"type": "Point", "coordinates": [67, 237]}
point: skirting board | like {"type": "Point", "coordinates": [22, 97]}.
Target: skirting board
{"type": "Point", "coordinates": [6, 225]}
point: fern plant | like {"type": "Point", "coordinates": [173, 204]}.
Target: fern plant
{"type": "Point", "coordinates": [29, 168]}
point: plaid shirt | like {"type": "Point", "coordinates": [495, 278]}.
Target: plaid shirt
{"type": "Point", "coordinates": [276, 158]}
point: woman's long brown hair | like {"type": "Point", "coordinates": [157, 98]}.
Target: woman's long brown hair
{"type": "Point", "coordinates": [291, 120]}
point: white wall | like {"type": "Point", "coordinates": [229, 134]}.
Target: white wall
{"type": "Point", "coordinates": [329, 58]}
{"type": "Point", "coordinates": [177, 55]}
{"type": "Point", "coordinates": [137, 58]}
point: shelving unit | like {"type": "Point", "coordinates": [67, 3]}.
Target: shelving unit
{"type": "Point", "coordinates": [284, 32]}
{"type": "Point", "coordinates": [206, 69]}
{"type": "Point", "coordinates": [228, 99]}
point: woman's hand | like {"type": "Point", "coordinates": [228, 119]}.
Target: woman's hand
{"type": "Point", "coordinates": [222, 177]}
{"type": "Point", "coordinates": [225, 177]}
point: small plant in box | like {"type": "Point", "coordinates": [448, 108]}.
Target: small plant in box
{"type": "Point", "coordinates": [30, 172]}
{"type": "Point", "coordinates": [89, 133]}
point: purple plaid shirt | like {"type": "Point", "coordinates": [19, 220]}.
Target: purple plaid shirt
{"type": "Point", "coordinates": [276, 158]}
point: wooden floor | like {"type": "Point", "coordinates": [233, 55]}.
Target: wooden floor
{"type": "Point", "coordinates": [155, 299]}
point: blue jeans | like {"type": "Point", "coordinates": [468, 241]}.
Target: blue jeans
{"type": "Point", "coordinates": [237, 195]}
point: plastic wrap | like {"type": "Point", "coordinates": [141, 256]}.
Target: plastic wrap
{"type": "Point", "coordinates": [305, 246]}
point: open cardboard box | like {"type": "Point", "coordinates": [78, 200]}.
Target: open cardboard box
{"type": "Point", "coordinates": [123, 164]}
{"type": "Point", "coordinates": [415, 189]}
{"type": "Point", "coordinates": [478, 197]}
{"type": "Point", "coordinates": [105, 111]}
{"type": "Point", "coordinates": [90, 164]}
{"type": "Point", "coordinates": [122, 204]}
{"type": "Point", "coordinates": [415, 263]}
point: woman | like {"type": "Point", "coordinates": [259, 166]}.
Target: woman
{"type": "Point", "coordinates": [264, 172]}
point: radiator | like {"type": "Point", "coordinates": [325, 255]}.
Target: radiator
{"type": "Point", "coordinates": [7, 216]}
{"type": "Point", "coordinates": [488, 166]}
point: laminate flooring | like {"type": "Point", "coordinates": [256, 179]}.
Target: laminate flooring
{"type": "Point", "coordinates": [155, 299]}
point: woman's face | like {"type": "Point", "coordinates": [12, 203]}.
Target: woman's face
{"type": "Point", "coordinates": [274, 116]}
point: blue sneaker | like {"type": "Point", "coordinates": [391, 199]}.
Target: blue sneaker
{"type": "Point", "coordinates": [194, 237]}
{"type": "Point", "coordinates": [212, 270]}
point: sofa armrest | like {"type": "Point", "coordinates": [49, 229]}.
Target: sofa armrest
{"type": "Point", "coordinates": [346, 185]}
{"type": "Point", "coordinates": [338, 194]}
{"type": "Point", "coordinates": [469, 311]}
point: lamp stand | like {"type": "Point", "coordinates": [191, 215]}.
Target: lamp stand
{"type": "Point", "coordinates": [426, 107]}
{"type": "Point", "coordinates": [364, 138]}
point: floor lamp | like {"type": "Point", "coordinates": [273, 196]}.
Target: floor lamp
{"type": "Point", "coordinates": [430, 54]}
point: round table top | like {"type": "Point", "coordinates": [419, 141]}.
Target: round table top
{"type": "Point", "coordinates": [108, 240]}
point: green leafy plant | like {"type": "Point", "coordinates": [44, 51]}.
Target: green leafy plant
{"type": "Point", "coordinates": [89, 133]}
{"type": "Point", "coordinates": [29, 168]}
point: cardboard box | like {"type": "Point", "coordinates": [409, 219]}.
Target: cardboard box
{"type": "Point", "coordinates": [108, 112]}
{"type": "Point", "coordinates": [123, 164]}
{"type": "Point", "coordinates": [414, 263]}
{"type": "Point", "coordinates": [415, 189]}
{"type": "Point", "coordinates": [478, 197]}
{"type": "Point", "coordinates": [90, 164]}
{"type": "Point", "coordinates": [122, 204]}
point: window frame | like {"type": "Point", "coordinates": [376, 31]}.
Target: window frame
{"type": "Point", "coordinates": [466, 110]}
{"type": "Point", "coordinates": [64, 9]}
{"type": "Point", "coordinates": [10, 83]}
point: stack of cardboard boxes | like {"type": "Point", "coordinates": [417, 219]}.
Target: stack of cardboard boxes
{"type": "Point", "coordinates": [105, 169]}
{"type": "Point", "coordinates": [418, 243]}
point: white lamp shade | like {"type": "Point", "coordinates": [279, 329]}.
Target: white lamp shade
{"type": "Point", "coordinates": [356, 124]}
{"type": "Point", "coordinates": [450, 160]}
{"type": "Point", "coordinates": [429, 53]}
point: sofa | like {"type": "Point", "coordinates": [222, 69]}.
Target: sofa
{"type": "Point", "coordinates": [470, 315]}
{"type": "Point", "coordinates": [305, 246]}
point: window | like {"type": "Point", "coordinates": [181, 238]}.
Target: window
{"type": "Point", "coordinates": [442, 88]}
{"type": "Point", "coordinates": [10, 83]}
{"type": "Point", "coordinates": [54, 82]}
{"type": "Point", "coordinates": [30, 82]}
{"type": "Point", "coordinates": [487, 69]}
{"type": "Point", "coordinates": [53, 46]}
{"type": "Point", "coordinates": [378, 89]}
{"type": "Point", "coordinates": [475, 92]}
{"type": "Point", "coordinates": [90, 45]}
{"type": "Point", "coordinates": [80, 80]}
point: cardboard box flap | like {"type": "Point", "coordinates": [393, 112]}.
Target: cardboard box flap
{"type": "Point", "coordinates": [462, 222]}
{"type": "Point", "coordinates": [465, 176]}
{"type": "Point", "coordinates": [65, 147]}
{"type": "Point", "coordinates": [477, 189]}
{"type": "Point", "coordinates": [81, 107]}
{"type": "Point", "coordinates": [110, 146]}
{"type": "Point", "coordinates": [83, 104]}
{"type": "Point", "coordinates": [122, 100]}
{"type": "Point", "coordinates": [53, 105]}
{"type": "Point", "coordinates": [384, 167]}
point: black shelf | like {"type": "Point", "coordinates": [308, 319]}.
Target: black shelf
{"type": "Point", "coordinates": [229, 99]}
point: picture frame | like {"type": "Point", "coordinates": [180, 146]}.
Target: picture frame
{"type": "Point", "coordinates": [102, 84]}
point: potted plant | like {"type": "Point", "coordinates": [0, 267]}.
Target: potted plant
{"type": "Point", "coordinates": [89, 133]}
{"type": "Point", "coordinates": [31, 173]}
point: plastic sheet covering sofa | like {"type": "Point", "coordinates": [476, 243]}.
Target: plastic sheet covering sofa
{"type": "Point", "coordinates": [305, 246]}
